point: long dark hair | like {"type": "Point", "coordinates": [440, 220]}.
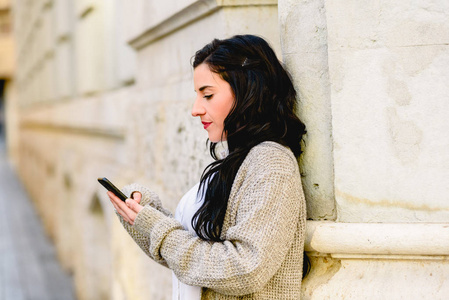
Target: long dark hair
{"type": "Point", "coordinates": [263, 110]}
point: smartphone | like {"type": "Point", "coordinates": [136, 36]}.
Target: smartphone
{"type": "Point", "coordinates": [110, 187]}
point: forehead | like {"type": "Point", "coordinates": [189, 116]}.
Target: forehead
{"type": "Point", "coordinates": [203, 77]}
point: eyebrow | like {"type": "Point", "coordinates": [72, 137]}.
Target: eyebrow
{"type": "Point", "coordinates": [204, 87]}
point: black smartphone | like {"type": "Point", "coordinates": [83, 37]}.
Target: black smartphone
{"type": "Point", "coordinates": [110, 187]}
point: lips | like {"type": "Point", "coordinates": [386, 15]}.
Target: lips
{"type": "Point", "coordinates": [206, 124]}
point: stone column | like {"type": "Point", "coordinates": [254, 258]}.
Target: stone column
{"type": "Point", "coordinates": [387, 66]}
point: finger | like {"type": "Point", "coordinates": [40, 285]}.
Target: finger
{"type": "Point", "coordinates": [130, 213]}
{"type": "Point", "coordinates": [120, 212]}
{"type": "Point", "coordinates": [130, 203]}
{"type": "Point", "coordinates": [114, 199]}
{"type": "Point", "coordinates": [125, 209]}
{"type": "Point", "coordinates": [137, 196]}
{"type": "Point", "coordinates": [119, 206]}
{"type": "Point", "coordinates": [134, 205]}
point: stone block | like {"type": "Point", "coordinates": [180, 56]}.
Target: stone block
{"type": "Point", "coordinates": [89, 51]}
{"type": "Point", "coordinates": [376, 279]}
{"type": "Point", "coordinates": [304, 50]}
{"type": "Point", "coordinates": [383, 170]}
{"type": "Point", "coordinates": [64, 17]}
{"type": "Point", "coordinates": [64, 68]}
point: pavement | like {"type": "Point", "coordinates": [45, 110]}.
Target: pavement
{"type": "Point", "coordinates": [29, 269]}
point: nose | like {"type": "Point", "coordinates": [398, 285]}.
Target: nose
{"type": "Point", "coordinates": [198, 109]}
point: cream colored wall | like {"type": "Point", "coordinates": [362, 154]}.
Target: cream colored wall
{"type": "Point", "coordinates": [6, 56]}
{"type": "Point", "coordinates": [89, 106]}
{"type": "Point", "coordinates": [104, 88]}
{"type": "Point", "coordinates": [5, 3]}
{"type": "Point", "coordinates": [304, 50]}
{"type": "Point", "coordinates": [389, 104]}
{"type": "Point", "coordinates": [372, 76]}
{"type": "Point", "coordinates": [7, 59]}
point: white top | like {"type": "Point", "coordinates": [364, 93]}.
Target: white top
{"type": "Point", "coordinates": [187, 207]}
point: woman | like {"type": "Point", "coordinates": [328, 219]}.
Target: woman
{"type": "Point", "coordinates": [238, 234]}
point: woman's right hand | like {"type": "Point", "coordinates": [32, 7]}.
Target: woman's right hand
{"type": "Point", "coordinates": [144, 196]}
{"type": "Point", "coordinates": [128, 209]}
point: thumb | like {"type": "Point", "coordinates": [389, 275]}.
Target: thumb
{"type": "Point", "coordinates": [136, 196]}
{"type": "Point", "coordinates": [130, 203]}
{"type": "Point", "coordinates": [133, 205]}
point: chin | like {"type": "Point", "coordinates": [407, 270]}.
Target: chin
{"type": "Point", "coordinates": [215, 138]}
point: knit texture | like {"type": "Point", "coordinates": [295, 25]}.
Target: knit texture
{"type": "Point", "coordinates": [263, 231]}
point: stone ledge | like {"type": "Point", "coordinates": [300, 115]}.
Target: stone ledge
{"type": "Point", "coordinates": [378, 240]}
{"type": "Point", "coordinates": [76, 130]}
{"type": "Point", "coordinates": [190, 14]}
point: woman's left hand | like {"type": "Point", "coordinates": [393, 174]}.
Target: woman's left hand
{"type": "Point", "coordinates": [129, 209]}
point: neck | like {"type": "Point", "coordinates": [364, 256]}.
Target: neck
{"type": "Point", "coordinates": [221, 149]}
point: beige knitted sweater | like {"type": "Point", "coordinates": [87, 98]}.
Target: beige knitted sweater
{"type": "Point", "coordinates": [263, 231]}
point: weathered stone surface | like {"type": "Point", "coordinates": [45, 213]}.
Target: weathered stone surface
{"type": "Point", "coordinates": [92, 107]}
{"type": "Point", "coordinates": [304, 48]}
{"type": "Point", "coordinates": [377, 279]}
{"type": "Point", "coordinates": [388, 103]}
{"type": "Point", "coordinates": [384, 100]}
{"type": "Point", "coordinates": [371, 79]}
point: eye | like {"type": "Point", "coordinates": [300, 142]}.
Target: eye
{"type": "Point", "coordinates": [208, 96]}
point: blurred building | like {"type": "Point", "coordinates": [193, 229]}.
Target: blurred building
{"type": "Point", "coordinates": [104, 88]}
{"type": "Point", "coordinates": [6, 59]}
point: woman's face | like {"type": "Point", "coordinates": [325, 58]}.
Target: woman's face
{"type": "Point", "coordinates": [213, 102]}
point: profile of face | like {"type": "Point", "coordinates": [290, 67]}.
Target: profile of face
{"type": "Point", "coordinates": [214, 101]}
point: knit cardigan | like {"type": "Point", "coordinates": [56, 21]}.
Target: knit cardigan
{"type": "Point", "coordinates": [263, 231]}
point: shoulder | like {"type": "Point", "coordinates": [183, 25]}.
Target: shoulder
{"type": "Point", "coordinates": [271, 156]}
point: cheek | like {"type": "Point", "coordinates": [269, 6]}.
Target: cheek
{"type": "Point", "coordinates": [223, 114]}
{"type": "Point", "coordinates": [227, 106]}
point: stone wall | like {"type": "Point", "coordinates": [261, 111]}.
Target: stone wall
{"type": "Point", "coordinates": [104, 88]}
{"type": "Point", "coordinates": [90, 105]}
{"type": "Point", "coordinates": [372, 80]}
{"type": "Point", "coordinates": [7, 60]}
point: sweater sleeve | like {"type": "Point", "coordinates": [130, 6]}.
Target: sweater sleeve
{"type": "Point", "coordinates": [148, 198]}
{"type": "Point", "coordinates": [265, 204]}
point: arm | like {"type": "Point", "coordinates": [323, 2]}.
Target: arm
{"type": "Point", "coordinates": [265, 207]}
{"type": "Point", "coordinates": [146, 197]}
